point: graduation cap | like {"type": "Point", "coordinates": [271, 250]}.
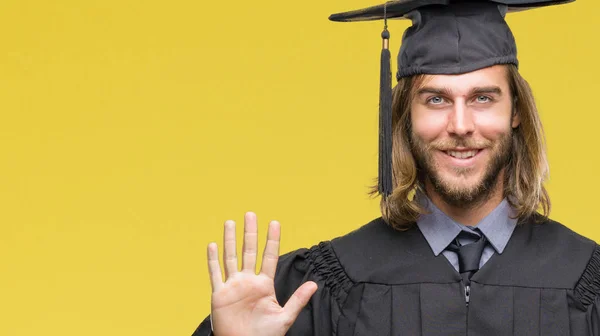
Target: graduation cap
{"type": "Point", "coordinates": [446, 37]}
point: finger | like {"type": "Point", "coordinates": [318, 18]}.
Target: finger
{"type": "Point", "coordinates": [229, 249]}
{"type": "Point", "coordinates": [271, 254]}
{"type": "Point", "coordinates": [250, 242]}
{"type": "Point", "coordinates": [298, 300]}
{"type": "Point", "coordinates": [214, 269]}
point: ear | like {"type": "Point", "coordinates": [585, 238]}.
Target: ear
{"type": "Point", "coordinates": [516, 116]}
{"type": "Point", "coordinates": [516, 120]}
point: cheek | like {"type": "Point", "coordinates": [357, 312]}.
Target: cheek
{"type": "Point", "coordinates": [492, 126]}
{"type": "Point", "coordinates": [428, 126]}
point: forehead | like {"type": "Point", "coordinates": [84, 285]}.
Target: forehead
{"type": "Point", "coordinates": [487, 77]}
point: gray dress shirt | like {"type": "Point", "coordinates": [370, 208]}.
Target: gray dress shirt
{"type": "Point", "coordinates": [440, 230]}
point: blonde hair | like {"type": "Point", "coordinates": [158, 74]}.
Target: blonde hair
{"type": "Point", "coordinates": [525, 173]}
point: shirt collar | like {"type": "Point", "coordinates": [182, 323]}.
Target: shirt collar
{"type": "Point", "coordinates": [499, 225]}
{"type": "Point", "coordinates": [440, 230]}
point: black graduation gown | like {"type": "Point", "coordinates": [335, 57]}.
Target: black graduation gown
{"type": "Point", "coordinates": [379, 281]}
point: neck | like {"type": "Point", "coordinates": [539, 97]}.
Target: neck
{"type": "Point", "coordinates": [469, 214]}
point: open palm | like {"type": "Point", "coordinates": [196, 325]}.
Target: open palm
{"type": "Point", "coordinates": [245, 304]}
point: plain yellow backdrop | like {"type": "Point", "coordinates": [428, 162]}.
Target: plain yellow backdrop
{"type": "Point", "coordinates": [130, 130]}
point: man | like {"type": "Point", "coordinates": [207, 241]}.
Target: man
{"type": "Point", "coordinates": [460, 248]}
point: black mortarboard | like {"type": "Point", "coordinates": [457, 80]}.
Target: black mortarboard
{"type": "Point", "coordinates": [446, 37]}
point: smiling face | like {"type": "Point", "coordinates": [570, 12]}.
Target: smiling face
{"type": "Point", "coordinates": [461, 132]}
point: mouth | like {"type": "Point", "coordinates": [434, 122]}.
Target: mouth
{"type": "Point", "coordinates": [462, 154]}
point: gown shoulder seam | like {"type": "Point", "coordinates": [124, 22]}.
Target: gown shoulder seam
{"type": "Point", "coordinates": [327, 268]}
{"type": "Point", "coordinates": [588, 286]}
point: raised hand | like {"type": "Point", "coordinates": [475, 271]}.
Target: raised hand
{"type": "Point", "coordinates": [245, 304]}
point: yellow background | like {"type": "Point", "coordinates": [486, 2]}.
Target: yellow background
{"type": "Point", "coordinates": [130, 130]}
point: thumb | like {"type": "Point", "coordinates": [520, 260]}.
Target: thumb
{"type": "Point", "coordinates": [298, 300]}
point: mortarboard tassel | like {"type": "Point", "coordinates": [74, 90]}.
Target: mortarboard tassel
{"type": "Point", "coordinates": [385, 117]}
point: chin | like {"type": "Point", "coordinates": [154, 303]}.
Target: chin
{"type": "Point", "coordinates": [461, 183]}
{"type": "Point", "coordinates": [462, 177]}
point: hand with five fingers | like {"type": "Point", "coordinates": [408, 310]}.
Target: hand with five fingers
{"type": "Point", "coordinates": [245, 304]}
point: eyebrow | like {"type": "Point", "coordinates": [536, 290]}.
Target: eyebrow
{"type": "Point", "coordinates": [433, 90]}
{"type": "Point", "coordinates": [447, 92]}
{"type": "Point", "coordinates": [487, 89]}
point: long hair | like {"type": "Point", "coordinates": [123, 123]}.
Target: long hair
{"type": "Point", "coordinates": [525, 172]}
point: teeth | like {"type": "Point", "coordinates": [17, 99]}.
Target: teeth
{"type": "Point", "coordinates": [462, 155]}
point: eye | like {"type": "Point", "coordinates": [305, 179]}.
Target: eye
{"type": "Point", "coordinates": [483, 99]}
{"type": "Point", "coordinates": [435, 100]}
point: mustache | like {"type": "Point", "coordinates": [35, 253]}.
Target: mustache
{"type": "Point", "coordinates": [449, 144]}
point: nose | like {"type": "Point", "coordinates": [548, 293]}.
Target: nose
{"type": "Point", "coordinates": [461, 121]}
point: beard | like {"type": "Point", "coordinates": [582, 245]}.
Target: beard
{"type": "Point", "coordinates": [456, 191]}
